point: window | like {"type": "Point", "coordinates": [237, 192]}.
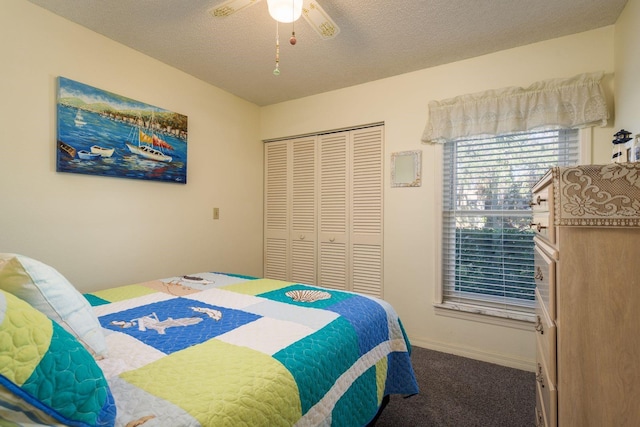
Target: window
{"type": "Point", "coordinates": [487, 250]}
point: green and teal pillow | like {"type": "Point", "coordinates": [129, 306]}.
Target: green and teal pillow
{"type": "Point", "coordinates": [50, 292]}
{"type": "Point", "coordinates": [45, 373]}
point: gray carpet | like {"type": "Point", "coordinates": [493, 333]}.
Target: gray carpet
{"type": "Point", "coordinates": [460, 392]}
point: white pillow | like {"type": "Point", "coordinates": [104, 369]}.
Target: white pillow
{"type": "Point", "coordinates": [51, 293]}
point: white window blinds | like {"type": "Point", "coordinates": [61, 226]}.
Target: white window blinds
{"type": "Point", "coordinates": [487, 241]}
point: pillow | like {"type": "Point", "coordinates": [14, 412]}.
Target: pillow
{"type": "Point", "coordinates": [46, 373]}
{"type": "Point", "coordinates": [48, 291]}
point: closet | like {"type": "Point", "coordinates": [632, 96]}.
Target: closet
{"type": "Point", "coordinates": [324, 210]}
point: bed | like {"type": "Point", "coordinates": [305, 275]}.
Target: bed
{"type": "Point", "coordinates": [215, 349]}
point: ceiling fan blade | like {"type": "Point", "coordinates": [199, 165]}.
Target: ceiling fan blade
{"type": "Point", "coordinates": [319, 20]}
{"type": "Point", "coordinates": [231, 6]}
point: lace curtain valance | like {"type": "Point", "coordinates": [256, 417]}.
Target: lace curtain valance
{"type": "Point", "coordinates": [575, 102]}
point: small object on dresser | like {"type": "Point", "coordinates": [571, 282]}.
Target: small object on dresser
{"type": "Point", "coordinates": [634, 150]}
{"type": "Point", "coordinates": [619, 154]}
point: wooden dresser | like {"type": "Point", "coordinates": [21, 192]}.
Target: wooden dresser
{"type": "Point", "coordinates": [587, 272]}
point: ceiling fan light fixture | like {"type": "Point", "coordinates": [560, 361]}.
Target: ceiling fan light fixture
{"type": "Point", "coordinates": [285, 11]}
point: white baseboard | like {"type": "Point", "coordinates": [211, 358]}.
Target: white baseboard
{"type": "Point", "coordinates": [472, 353]}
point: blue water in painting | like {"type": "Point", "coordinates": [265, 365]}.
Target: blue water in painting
{"type": "Point", "coordinates": [109, 133]}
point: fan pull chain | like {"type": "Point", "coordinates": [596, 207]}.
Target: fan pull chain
{"type": "Point", "coordinates": [276, 72]}
{"type": "Point", "coordinates": [293, 39]}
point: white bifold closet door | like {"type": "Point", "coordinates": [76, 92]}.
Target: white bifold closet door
{"type": "Point", "coordinates": [303, 235]}
{"type": "Point", "coordinates": [290, 210]}
{"type": "Point", "coordinates": [323, 210]}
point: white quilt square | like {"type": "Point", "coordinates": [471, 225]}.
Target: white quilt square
{"type": "Point", "coordinates": [266, 335]}
{"type": "Point", "coordinates": [223, 298]}
{"type": "Point", "coordinates": [313, 318]}
{"type": "Point", "coordinates": [125, 354]}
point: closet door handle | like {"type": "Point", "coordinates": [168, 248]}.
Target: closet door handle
{"type": "Point", "coordinates": [333, 239]}
{"type": "Point", "coordinates": [302, 236]}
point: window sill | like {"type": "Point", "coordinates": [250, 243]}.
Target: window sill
{"type": "Point", "coordinates": [523, 321]}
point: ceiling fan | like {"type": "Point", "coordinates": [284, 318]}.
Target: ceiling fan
{"type": "Point", "coordinates": [290, 10]}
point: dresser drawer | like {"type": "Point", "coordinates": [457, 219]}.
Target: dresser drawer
{"type": "Point", "coordinates": [543, 418]}
{"type": "Point", "coordinates": [542, 224]}
{"type": "Point", "coordinates": [542, 206]}
{"type": "Point", "coordinates": [540, 200]}
{"type": "Point", "coordinates": [544, 275]}
{"type": "Point", "coordinates": [546, 394]}
{"type": "Point", "coordinates": [546, 335]}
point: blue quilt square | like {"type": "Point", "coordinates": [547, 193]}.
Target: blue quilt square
{"type": "Point", "coordinates": [368, 318]}
{"type": "Point", "coordinates": [176, 324]}
{"type": "Point", "coordinates": [400, 377]}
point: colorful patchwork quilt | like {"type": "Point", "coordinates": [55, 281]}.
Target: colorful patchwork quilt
{"type": "Point", "coordinates": [213, 349]}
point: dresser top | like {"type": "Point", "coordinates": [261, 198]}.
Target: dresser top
{"type": "Point", "coordinates": [597, 195]}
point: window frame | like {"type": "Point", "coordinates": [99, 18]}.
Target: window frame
{"type": "Point", "coordinates": [470, 312]}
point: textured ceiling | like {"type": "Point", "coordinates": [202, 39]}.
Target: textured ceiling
{"type": "Point", "coordinates": [378, 38]}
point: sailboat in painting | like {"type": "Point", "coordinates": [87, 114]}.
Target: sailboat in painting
{"type": "Point", "coordinates": [148, 144]}
{"type": "Point", "coordinates": [79, 119]}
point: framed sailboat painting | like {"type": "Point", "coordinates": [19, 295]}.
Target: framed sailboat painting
{"type": "Point", "coordinates": [102, 133]}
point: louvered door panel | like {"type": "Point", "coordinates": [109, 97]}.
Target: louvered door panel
{"type": "Point", "coordinates": [333, 265]}
{"type": "Point", "coordinates": [333, 183]}
{"type": "Point", "coordinates": [367, 269]}
{"type": "Point", "coordinates": [333, 210]}
{"type": "Point", "coordinates": [303, 262]}
{"type": "Point", "coordinates": [366, 182]}
{"type": "Point", "coordinates": [303, 211]}
{"type": "Point", "coordinates": [275, 266]}
{"type": "Point", "coordinates": [276, 209]}
{"type": "Point", "coordinates": [366, 205]}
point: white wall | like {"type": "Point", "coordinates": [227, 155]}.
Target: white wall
{"type": "Point", "coordinates": [101, 231]}
{"type": "Point", "coordinates": [411, 214]}
{"type": "Point", "coordinates": [627, 40]}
